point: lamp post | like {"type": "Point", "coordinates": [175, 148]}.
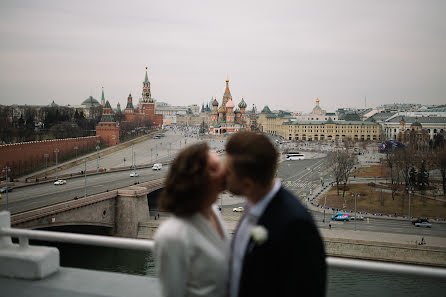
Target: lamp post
{"type": "Point", "coordinates": [85, 177]}
{"type": "Point", "coordinates": [75, 149]}
{"type": "Point", "coordinates": [57, 152]}
{"type": "Point", "coordinates": [133, 159]}
{"type": "Point", "coordinates": [325, 202]}
{"type": "Point", "coordinates": [356, 195]}
{"type": "Point", "coordinates": [5, 171]}
{"type": "Point", "coordinates": [151, 159]}
{"type": "Point", "coordinates": [97, 158]}
{"type": "Point", "coordinates": [46, 164]}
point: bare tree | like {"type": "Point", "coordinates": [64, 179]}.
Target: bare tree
{"type": "Point", "coordinates": [341, 164]}
{"type": "Point", "coordinates": [439, 160]}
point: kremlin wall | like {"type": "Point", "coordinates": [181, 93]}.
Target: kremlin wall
{"type": "Point", "coordinates": [26, 156]}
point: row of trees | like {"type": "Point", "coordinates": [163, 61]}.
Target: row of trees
{"type": "Point", "coordinates": [57, 122]}
{"type": "Point", "coordinates": [408, 168]}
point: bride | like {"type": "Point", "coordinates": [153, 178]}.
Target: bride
{"type": "Point", "coordinates": [192, 247]}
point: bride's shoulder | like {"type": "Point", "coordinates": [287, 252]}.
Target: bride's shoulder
{"type": "Point", "coordinates": [172, 228]}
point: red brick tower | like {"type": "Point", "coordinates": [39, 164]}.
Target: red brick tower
{"type": "Point", "coordinates": [147, 104]}
{"type": "Point", "coordinates": [107, 129]}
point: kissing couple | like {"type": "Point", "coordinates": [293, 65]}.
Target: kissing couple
{"type": "Point", "coordinates": [276, 249]}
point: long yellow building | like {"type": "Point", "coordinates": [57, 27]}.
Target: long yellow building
{"type": "Point", "coordinates": [283, 124]}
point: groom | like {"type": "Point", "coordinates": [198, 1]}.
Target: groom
{"type": "Point", "coordinates": [276, 249]}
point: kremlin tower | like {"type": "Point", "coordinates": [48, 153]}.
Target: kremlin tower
{"type": "Point", "coordinates": [107, 129]}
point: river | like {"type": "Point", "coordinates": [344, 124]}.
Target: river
{"type": "Point", "coordinates": [340, 282]}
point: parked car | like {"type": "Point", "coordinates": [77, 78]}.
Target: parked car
{"type": "Point", "coordinates": [423, 224]}
{"type": "Point", "coordinates": [134, 174]}
{"type": "Point", "coordinates": [420, 220]}
{"type": "Point", "coordinates": [3, 189]}
{"type": "Point", "coordinates": [238, 209]}
{"type": "Point", "coordinates": [60, 182]}
{"type": "Point", "coordinates": [358, 218]}
{"type": "Point", "coordinates": [340, 216]}
{"type": "Point", "coordinates": [157, 166]}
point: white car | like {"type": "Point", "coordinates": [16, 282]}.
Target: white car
{"type": "Point", "coordinates": [134, 174]}
{"type": "Point", "coordinates": [358, 218]}
{"type": "Point", "coordinates": [238, 209]}
{"type": "Point", "coordinates": [157, 166]}
{"type": "Point", "coordinates": [423, 224]}
{"type": "Point", "coordinates": [60, 182]}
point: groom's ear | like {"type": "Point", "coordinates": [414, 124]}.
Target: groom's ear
{"type": "Point", "coordinates": [248, 185]}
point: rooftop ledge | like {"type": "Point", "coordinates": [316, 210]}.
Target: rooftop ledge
{"type": "Point", "coordinates": [70, 282]}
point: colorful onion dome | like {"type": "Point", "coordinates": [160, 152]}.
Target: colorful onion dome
{"type": "Point", "coordinates": [242, 104]}
{"type": "Point", "coordinates": [229, 104]}
{"type": "Point", "coordinates": [215, 102]}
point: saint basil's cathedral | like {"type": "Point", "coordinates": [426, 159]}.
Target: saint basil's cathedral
{"type": "Point", "coordinates": [225, 119]}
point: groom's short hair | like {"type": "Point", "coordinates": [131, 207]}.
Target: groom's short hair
{"type": "Point", "coordinates": [253, 155]}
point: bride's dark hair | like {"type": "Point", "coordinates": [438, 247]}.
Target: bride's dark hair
{"type": "Point", "coordinates": [187, 182]}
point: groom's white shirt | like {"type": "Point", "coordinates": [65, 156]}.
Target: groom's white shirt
{"type": "Point", "coordinates": [241, 238]}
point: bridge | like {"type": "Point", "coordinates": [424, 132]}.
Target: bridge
{"type": "Point", "coordinates": [119, 212]}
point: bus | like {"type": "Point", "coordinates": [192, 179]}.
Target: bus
{"type": "Point", "coordinates": [295, 156]}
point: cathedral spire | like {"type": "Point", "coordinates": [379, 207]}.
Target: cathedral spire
{"type": "Point", "coordinates": [103, 97]}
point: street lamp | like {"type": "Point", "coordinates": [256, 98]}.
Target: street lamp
{"type": "Point", "coordinates": [356, 195]}
{"type": "Point", "coordinates": [5, 171]}
{"type": "Point", "coordinates": [56, 151]}
{"type": "Point", "coordinates": [75, 149]}
{"type": "Point", "coordinates": [97, 158]}
{"type": "Point", "coordinates": [85, 177]}
{"type": "Point", "coordinates": [46, 164]}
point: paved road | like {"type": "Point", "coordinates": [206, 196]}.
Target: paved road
{"type": "Point", "coordinates": [300, 177]}
{"type": "Point", "coordinates": [32, 197]}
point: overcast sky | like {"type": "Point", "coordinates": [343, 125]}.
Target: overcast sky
{"type": "Point", "coordinates": [280, 53]}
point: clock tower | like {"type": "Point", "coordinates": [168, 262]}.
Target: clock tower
{"type": "Point", "coordinates": [146, 94]}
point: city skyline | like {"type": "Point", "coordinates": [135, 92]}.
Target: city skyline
{"type": "Point", "coordinates": [284, 54]}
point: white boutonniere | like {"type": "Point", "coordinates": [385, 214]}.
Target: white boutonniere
{"type": "Point", "coordinates": [259, 234]}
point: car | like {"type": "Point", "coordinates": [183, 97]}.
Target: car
{"type": "Point", "coordinates": [3, 189]}
{"type": "Point", "coordinates": [423, 224]}
{"type": "Point", "coordinates": [420, 220]}
{"type": "Point", "coordinates": [134, 174]}
{"type": "Point", "coordinates": [340, 216]}
{"type": "Point", "coordinates": [238, 209]}
{"type": "Point", "coordinates": [156, 137]}
{"type": "Point", "coordinates": [358, 218]}
{"type": "Point", "coordinates": [157, 166]}
{"type": "Point", "coordinates": [60, 182]}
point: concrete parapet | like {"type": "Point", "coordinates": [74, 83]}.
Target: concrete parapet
{"type": "Point", "coordinates": [385, 252]}
{"type": "Point", "coordinates": [24, 261]}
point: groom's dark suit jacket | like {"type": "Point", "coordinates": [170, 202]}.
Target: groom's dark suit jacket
{"type": "Point", "coordinates": [292, 260]}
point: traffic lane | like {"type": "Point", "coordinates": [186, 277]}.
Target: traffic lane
{"type": "Point", "coordinates": [148, 151]}
{"type": "Point", "coordinates": [101, 183]}
{"type": "Point", "coordinates": [141, 150]}
{"type": "Point", "coordinates": [375, 225]}
{"type": "Point", "coordinates": [380, 225]}
{"type": "Point", "coordinates": [288, 169]}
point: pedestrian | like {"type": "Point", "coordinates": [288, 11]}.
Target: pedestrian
{"type": "Point", "coordinates": [422, 240]}
{"type": "Point", "coordinates": [329, 226]}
